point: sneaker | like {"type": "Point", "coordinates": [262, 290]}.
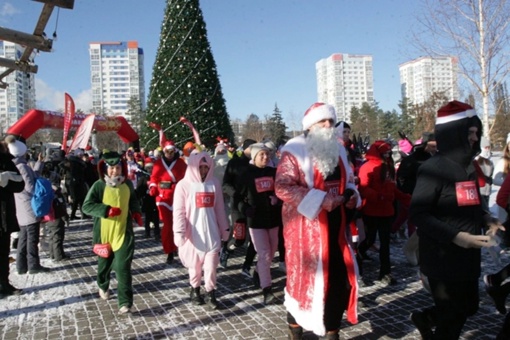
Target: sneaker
{"type": "Point", "coordinates": [104, 295]}
{"type": "Point", "coordinates": [124, 310]}
{"type": "Point", "coordinates": [38, 270]}
{"type": "Point", "coordinates": [256, 279]}
{"type": "Point", "coordinates": [246, 272]}
{"type": "Point", "coordinates": [224, 255]}
{"type": "Point", "coordinates": [282, 267]}
{"type": "Point", "coordinates": [498, 297]}
{"type": "Point", "coordinates": [388, 280]}
{"type": "Point", "coordinates": [423, 324]}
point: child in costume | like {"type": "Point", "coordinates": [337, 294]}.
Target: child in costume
{"type": "Point", "coordinates": [113, 203]}
{"type": "Point", "coordinates": [200, 224]}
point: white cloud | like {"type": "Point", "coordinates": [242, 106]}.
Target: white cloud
{"type": "Point", "coordinates": [51, 99]}
{"type": "Point", "coordinates": [8, 10]}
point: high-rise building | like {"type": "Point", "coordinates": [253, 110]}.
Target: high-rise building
{"type": "Point", "coordinates": [345, 81]}
{"type": "Point", "coordinates": [422, 77]}
{"type": "Point", "coordinates": [117, 75]}
{"type": "Point", "coordinates": [19, 96]}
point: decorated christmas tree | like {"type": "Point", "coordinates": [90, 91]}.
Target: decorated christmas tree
{"type": "Point", "coordinates": [185, 82]}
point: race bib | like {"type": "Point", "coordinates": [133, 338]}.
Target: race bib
{"type": "Point", "coordinates": [332, 187]}
{"type": "Point", "coordinates": [466, 193]}
{"type": "Point", "coordinates": [263, 184]}
{"type": "Point", "coordinates": [204, 199]}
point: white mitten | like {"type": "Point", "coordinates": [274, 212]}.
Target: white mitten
{"type": "Point", "coordinates": [7, 176]}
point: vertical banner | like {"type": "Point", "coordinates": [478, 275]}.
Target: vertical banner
{"type": "Point", "coordinates": [82, 135]}
{"type": "Point", "coordinates": [68, 118]}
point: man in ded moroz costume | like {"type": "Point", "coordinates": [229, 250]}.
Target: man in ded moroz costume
{"type": "Point", "coordinates": [316, 184]}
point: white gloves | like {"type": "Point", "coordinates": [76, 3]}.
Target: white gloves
{"type": "Point", "coordinates": [466, 240]}
{"type": "Point", "coordinates": [6, 176]}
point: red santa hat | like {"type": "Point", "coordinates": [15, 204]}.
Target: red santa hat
{"type": "Point", "coordinates": [148, 162]}
{"type": "Point", "coordinates": [168, 145]}
{"type": "Point", "coordinates": [453, 111]}
{"type": "Point", "coordinates": [318, 112]}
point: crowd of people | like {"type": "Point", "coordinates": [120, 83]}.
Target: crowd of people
{"type": "Point", "coordinates": [321, 201]}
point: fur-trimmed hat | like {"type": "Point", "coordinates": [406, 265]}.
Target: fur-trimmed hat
{"type": "Point", "coordinates": [453, 111]}
{"type": "Point", "coordinates": [169, 145]}
{"type": "Point", "coordinates": [16, 147]}
{"type": "Point", "coordinates": [318, 112]}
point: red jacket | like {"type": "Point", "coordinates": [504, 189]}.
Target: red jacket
{"type": "Point", "coordinates": [503, 195]}
{"type": "Point", "coordinates": [378, 196]}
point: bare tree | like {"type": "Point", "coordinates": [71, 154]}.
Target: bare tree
{"type": "Point", "coordinates": [477, 31]}
{"type": "Point", "coordinates": [254, 128]}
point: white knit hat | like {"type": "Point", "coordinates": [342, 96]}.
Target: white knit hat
{"type": "Point", "coordinates": [256, 148]}
{"type": "Point", "coordinates": [16, 147]}
{"type": "Point", "coordinates": [318, 112]}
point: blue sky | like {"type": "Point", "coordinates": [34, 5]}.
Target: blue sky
{"type": "Point", "coordinates": [265, 50]}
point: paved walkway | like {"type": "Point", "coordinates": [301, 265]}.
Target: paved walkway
{"type": "Point", "coordinates": [64, 303]}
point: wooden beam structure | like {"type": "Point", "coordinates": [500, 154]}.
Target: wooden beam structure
{"type": "Point", "coordinates": [35, 41]}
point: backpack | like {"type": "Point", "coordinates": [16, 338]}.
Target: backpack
{"type": "Point", "coordinates": [43, 197]}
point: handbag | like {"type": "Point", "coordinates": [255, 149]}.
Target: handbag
{"type": "Point", "coordinates": [103, 250]}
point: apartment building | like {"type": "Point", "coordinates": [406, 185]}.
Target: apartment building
{"type": "Point", "coordinates": [345, 81]}
{"type": "Point", "coordinates": [420, 78]}
{"type": "Point", "coordinates": [117, 75]}
{"type": "Point", "coordinates": [19, 96]}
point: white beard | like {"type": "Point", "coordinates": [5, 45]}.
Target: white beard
{"type": "Point", "coordinates": [323, 147]}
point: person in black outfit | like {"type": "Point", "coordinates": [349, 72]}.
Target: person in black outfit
{"type": "Point", "coordinates": [447, 209]}
{"type": "Point", "coordinates": [74, 168]}
{"type": "Point", "coordinates": [235, 167]}
{"type": "Point", "coordinates": [263, 213]}
{"type": "Point", "coordinates": [10, 182]}
{"type": "Point", "coordinates": [148, 202]}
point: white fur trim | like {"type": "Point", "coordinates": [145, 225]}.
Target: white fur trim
{"type": "Point", "coordinates": [310, 205]}
{"type": "Point", "coordinates": [297, 147]}
{"type": "Point", "coordinates": [166, 205]}
{"type": "Point", "coordinates": [312, 319]}
{"type": "Point", "coordinates": [456, 116]}
{"type": "Point", "coordinates": [317, 114]}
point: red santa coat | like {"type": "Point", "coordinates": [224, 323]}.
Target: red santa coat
{"type": "Point", "coordinates": [163, 174]}
{"type": "Point", "coordinates": [306, 237]}
{"type": "Point", "coordinates": [164, 179]}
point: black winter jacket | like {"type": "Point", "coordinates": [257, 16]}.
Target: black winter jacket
{"type": "Point", "coordinates": [8, 220]}
{"type": "Point", "coordinates": [256, 185]}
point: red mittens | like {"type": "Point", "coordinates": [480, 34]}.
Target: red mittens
{"type": "Point", "coordinates": [114, 212]}
{"type": "Point", "coordinates": [138, 218]}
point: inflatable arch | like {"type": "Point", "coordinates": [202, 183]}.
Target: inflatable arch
{"type": "Point", "coordinates": [34, 120]}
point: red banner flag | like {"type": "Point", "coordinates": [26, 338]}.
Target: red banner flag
{"type": "Point", "coordinates": [68, 118]}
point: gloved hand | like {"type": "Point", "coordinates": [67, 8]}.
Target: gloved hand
{"type": "Point", "coordinates": [153, 191]}
{"type": "Point", "coordinates": [331, 201]}
{"type": "Point", "coordinates": [466, 240]}
{"type": "Point", "coordinates": [114, 212]}
{"type": "Point", "coordinates": [274, 200]}
{"type": "Point", "coordinates": [6, 176]}
{"type": "Point", "coordinates": [138, 218]}
{"type": "Point", "coordinates": [250, 212]}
